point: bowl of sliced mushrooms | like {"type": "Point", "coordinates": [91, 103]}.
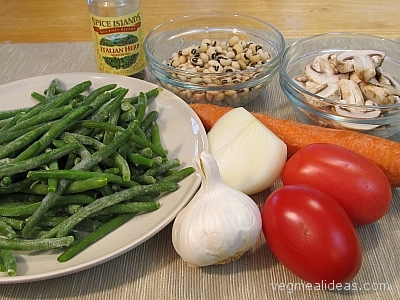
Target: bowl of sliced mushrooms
{"type": "Point", "coordinates": [345, 81]}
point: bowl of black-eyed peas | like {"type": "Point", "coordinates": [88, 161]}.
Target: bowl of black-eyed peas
{"type": "Point", "coordinates": [217, 58]}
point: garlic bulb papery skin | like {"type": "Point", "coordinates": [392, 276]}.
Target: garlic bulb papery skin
{"type": "Point", "coordinates": [250, 156]}
{"type": "Point", "coordinates": [219, 224]}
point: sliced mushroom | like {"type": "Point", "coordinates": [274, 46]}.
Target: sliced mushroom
{"type": "Point", "coordinates": [379, 94]}
{"type": "Point", "coordinates": [328, 90]}
{"type": "Point", "coordinates": [364, 67]}
{"type": "Point", "coordinates": [322, 78]}
{"type": "Point", "coordinates": [389, 82]}
{"type": "Point", "coordinates": [300, 80]}
{"type": "Point", "coordinates": [344, 61]}
{"type": "Point", "coordinates": [351, 92]}
{"type": "Point", "coordinates": [358, 113]}
{"type": "Point", "coordinates": [321, 64]}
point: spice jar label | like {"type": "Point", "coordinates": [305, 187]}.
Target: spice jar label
{"type": "Point", "coordinates": [118, 43]}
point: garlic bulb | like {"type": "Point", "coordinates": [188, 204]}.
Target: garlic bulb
{"type": "Point", "coordinates": [219, 224]}
{"type": "Point", "coordinates": [250, 156]}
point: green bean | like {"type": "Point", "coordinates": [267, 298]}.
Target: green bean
{"type": "Point", "coordinates": [68, 95]}
{"type": "Point", "coordinates": [115, 198]}
{"type": "Point", "coordinates": [14, 223]}
{"type": "Point", "coordinates": [113, 119]}
{"type": "Point", "coordinates": [52, 89]}
{"type": "Point", "coordinates": [41, 118]}
{"type": "Point", "coordinates": [11, 122]}
{"type": "Point", "coordinates": [149, 95]}
{"type": "Point", "coordinates": [10, 136]}
{"type": "Point", "coordinates": [148, 120]}
{"type": "Point", "coordinates": [155, 135]}
{"type": "Point", "coordinates": [119, 161]}
{"type": "Point", "coordinates": [23, 140]}
{"type": "Point", "coordinates": [79, 175]}
{"type": "Point", "coordinates": [6, 181]}
{"type": "Point", "coordinates": [178, 175]}
{"type": "Point", "coordinates": [55, 131]}
{"type": "Point", "coordinates": [31, 163]}
{"type": "Point", "coordinates": [37, 244]}
{"type": "Point", "coordinates": [6, 230]}
{"type": "Point", "coordinates": [17, 209]}
{"type": "Point", "coordinates": [165, 166]}
{"type": "Point", "coordinates": [94, 236]}
{"type": "Point", "coordinates": [87, 184]}
{"type": "Point", "coordinates": [134, 138]}
{"type": "Point", "coordinates": [88, 225]}
{"type": "Point", "coordinates": [126, 117]}
{"type": "Point", "coordinates": [84, 164]}
{"type": "Point", "coordinates": [10, 262]}
{"type": "Point", "coordinates": [52, 182]}
{"type": "Point", "coordinates": [5, 114]}
{"type": "Point", "coordinates": [19, 186]}
{"type": "Point", "coordinates": [141, 107]}
{"type": "Point", "coordinates": [140, 159]}
{"type": "Point", "coordinates": [128, 207]}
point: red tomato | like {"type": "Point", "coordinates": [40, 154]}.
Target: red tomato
{"type": "Point", "coordinates": [311, 234]}
{"type": "Point", "coordinates": [356, 182]}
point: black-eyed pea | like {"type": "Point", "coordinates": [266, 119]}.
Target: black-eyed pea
{"type": "Point", "coordinates": [218, 49]}
{"type": "Point", "coordinates": [265, 56]}
{"type": "Point", "coordinates": [210, 95]}
{"type": "Point", "coordinates": [199, 97]}
{"type": "Point", "coordinates": [220, 96]}
{"type": "Point", "coordinates": [199, 69]}
{"type": "Point", "coordinates": [204, 57]}
{"type": "Point", "coordinates": [186, 51]}
{"type": "Point", "coordinates": [244, 58]}
{"type": "Point", "coordinates": [224, 61]}
{"type": "Point", "coordinates": [216, 82]}
{"type": "Point", "coordinates": [182, 59]}
{"type": "Point", "coordinates": [229, 69]}
{"type": "Point", "coordinates": [242, 64]}
{"type": "Point", "coordinates": [189, 94]}
{"type": "Point", "coordinates": [203, 48]}
{"type": "Point", "coordinates": [233, 40]}
{"type": "Point", "coordinates": [243, 43]}
{"type": "Point", "coordinates": [210, 51]}
{"type": "Point", "coordinates": [230, 54]}
{"type": "Point", "coordinates": [196, 80]}
{"type": "Point", "coordinates": [235, 65]}
{"type": "Point", "coordinates": [196, 61]}
{"type": "Point", "coordinates": [226, 80]}
{"type": "Point", "coordinates": [254, 58]}
{"type": "Point", "coordinates": [181, 77]}
{"type": "Point", "coordinates": [243, 92]}
{"type": "Point", "coordinates": [224, 45]}
{"type": "Point", "coordinates": [237, 49]}
{"type": "Point", "coordinates": [175, 63]}
{"type": "Point", "coordinates": [230, 93]}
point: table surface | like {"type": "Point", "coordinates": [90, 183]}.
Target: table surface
{"type": "Point", "coordinates": [39, 37]}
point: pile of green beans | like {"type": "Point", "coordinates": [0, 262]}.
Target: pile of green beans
{"type": "Point", "coordinates": [76, 166]}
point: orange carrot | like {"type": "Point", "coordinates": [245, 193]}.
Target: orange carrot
{"type": "Point", "coordinates": [385, 153]}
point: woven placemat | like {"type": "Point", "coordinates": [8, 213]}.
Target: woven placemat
{"type": "Point", "coordinates": [154, 271]}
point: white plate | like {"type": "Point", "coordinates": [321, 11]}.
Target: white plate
{"type": "Point", "coordinates": [183, 135]}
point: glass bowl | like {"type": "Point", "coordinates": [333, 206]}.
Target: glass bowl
{"type": "Point", "coordinates": [313, 107]}
{"type": "Point", "coordinates": [210, 33]}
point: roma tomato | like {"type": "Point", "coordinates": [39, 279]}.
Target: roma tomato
{"type": "Point", "coordinates": [311, 234]}
{"type": "Point", "coordinates": [356, 182]}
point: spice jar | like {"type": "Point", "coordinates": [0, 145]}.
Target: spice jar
{"type": "Point", "coordinates": [117, 31]}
